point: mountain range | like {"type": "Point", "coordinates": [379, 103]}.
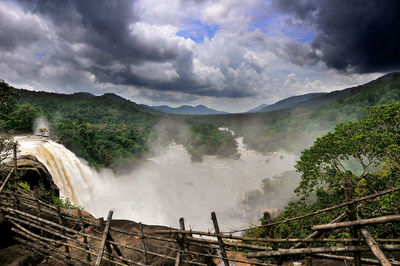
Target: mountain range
{"type": "Point", "coordinates": [187, 110]}
{"type": "Point", "coordinates": [286, 103]}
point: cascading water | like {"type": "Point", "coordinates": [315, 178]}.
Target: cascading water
{"type": "Point", "coordinates": [163, 188]}
{"type": "Point", "coordinates": [76, 180]}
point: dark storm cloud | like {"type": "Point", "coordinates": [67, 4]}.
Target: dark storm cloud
{"type": "Point", "coordinates": [14, 32]}
{"type": "Point", "coordinates": [353, 35]}
{"type": "Point", "coordinates": [103, 35]}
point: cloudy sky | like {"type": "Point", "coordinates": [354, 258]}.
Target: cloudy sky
{"type": "Point", "coordinates": [230, 55]}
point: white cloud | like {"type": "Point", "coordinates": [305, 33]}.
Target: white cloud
{"type": "Point", "coordinates": [161, 72]}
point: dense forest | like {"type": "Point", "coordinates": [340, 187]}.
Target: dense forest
{"type": "Point", "coordinates": [108, 130]}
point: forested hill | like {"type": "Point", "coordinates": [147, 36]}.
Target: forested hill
{"type": "Point", "coordinates": [296, 128]}
{"type": "Point", "coordinates": [108, 130]}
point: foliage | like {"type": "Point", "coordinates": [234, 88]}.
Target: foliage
{"type": "Point", "coordinates": [23, 117]}
{"type": "Point", "coordinates": [355, 151]}
{"type": "Point", "coordinates": [6, 149]}
{"type": "Point", "coordinates": [208, 139]}
{"type": "Point", "coordinates": [64, 203]}
{"type": "Point", "coordinates": [366, 153]}
{"type": "Point", "coordinates": [8, 100]}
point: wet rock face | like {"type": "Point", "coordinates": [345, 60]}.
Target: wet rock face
{"type": "Point", "coordinates": [33, 172]}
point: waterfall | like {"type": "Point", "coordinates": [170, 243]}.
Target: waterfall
{"type": "Point", "coordinates": [76, 180]}
{"type": "Point", "coordinates": [162, 188]}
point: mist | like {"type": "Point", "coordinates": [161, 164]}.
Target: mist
{"type": "Point", "coordinates": [169, 185]}
{"type": "Point", "coordinates": [39, 124]}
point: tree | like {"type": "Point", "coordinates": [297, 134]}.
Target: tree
{"type": "Point", "coordinates": [23, 117]}
{"type": "Point", "coordinates": [8, 100]}
{"type": "Point", "coordinates": [6, 149]}
{"type": "Point", "coordinates": [366, 152]}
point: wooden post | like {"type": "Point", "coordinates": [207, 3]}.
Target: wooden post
{"type": "Point", "coordinates": [181, 244]}
{"type": "Point", "coordinates": [308, 261]}
{"type": "Point", "coordinates": [375, 248]}
{"type": "Point", "coordinates": [352, 214]}
{"type": "Point", "coordinates": [83, 231]}
{"type": "Point", "coordinates": [104, 238]}
{"type": "Point", "coordinates": [61, 222]}
{"type": "Point", "coordinates": [15, 160]}
{"type": "Point", "coordinates": [143, 243]}
{"type": "Point", "coordinates": [220, 241]}
{"type": "Point", "coordinates": [267, 220]}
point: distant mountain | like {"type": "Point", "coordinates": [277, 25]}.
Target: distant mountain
{"type": "Point", "coordinates": [291, 102]}
{"type": "Point", "coordinates": [188, 110]}
{"type": "Point", "coordinates": [83, 94]}
{"type": "Point", "coordinates": [258, 108]}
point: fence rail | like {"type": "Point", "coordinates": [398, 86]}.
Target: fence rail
{"type": "Point", "coordinates": [76, 239]}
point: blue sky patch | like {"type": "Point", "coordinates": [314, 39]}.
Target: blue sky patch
{"type": "Point", "coordinates": [196, 30]}
{"type": "Point", "coordinates": [40, 55]}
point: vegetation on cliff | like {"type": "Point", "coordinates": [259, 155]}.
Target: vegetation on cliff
{"type": "Point", "coordinates": [363, 153]}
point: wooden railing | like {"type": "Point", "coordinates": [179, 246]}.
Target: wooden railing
{"type": "Point", "coordinates": [75, 239]}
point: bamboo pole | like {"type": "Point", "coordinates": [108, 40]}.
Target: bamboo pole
{"type": "Point", "coordinates": [348, 258]}
{"type": "Point", "coordinates": [267, 240]}
{"type": "Point", "coordinates": [318, 233]}
{"type": "Point", "coordinates": [378, 220]}
{"type": "Point", "coordinates": [181, 243]}
{"type": "Point", "coordinates": [267, 220]}
{"type": "Point", "coordinates": [51, 231]}
{"type": "Point", "coordinates": [375, 248]}
{"type": "Point", "coordinates": [34, 237]}
{"type": "Point", "coordinates": [10, 210]}
{"type": "Point", "coordinates": [42, 251]}
{"type": "Point", "coordinates": [61, 221]}
{"type": "Point", "coordinates": [344, 204]}
{"type": "Point", "coordinates": [5, 181]}
{"type": "Point", "coordinates": [142, 242]}
{"type": "Point", "coordinates": [220, 241]}
{"type": "Point", "coordinates": [103, 240]}
{"type": "Point", "coordinates": [15, 160]}
{"type": "Point", "coordinates": [304, 251]}
{"type": "Point", "coordinates": [352, 214]}
{"type": "Point", "coordinates": [83, 230]}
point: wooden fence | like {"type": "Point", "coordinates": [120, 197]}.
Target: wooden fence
{"type": "Point", "coordinates": [77, 239]}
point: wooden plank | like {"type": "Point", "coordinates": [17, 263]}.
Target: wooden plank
{"type": "Point", "coordinates": [220, 241]}
{"type": "Point", "coordinates": [104, 238]}
{"type": "Point", "coordinates": [375, 248]}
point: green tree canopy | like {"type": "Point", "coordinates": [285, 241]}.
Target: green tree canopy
{"type": "Point", "coordinates": [8, 100]}
{"type": "Point", "coordinates": [367, 152]}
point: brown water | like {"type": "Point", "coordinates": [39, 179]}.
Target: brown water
{"type": "Point", "coordinates": [164, 188]}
